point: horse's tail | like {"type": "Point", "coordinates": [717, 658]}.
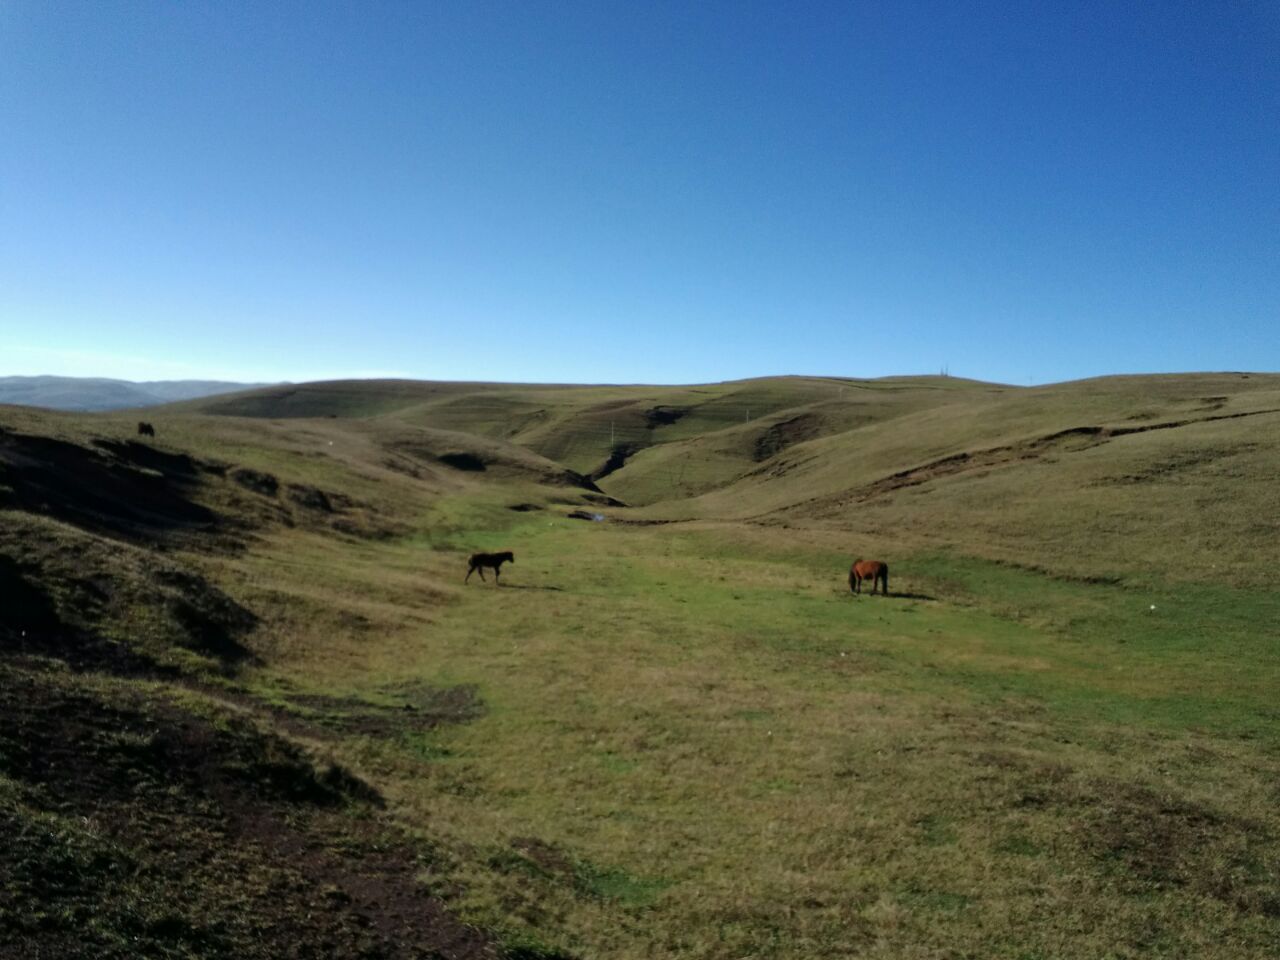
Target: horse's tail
{"type": "Point", "coordinates": [886, 580]}
{"type": "Point", "coordinates": [851, 579]}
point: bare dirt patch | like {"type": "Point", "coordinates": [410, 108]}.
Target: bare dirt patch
{"type": "Point", "coordinates": [264, 484]}
{"type": "Point", "coordinates": [311, 498]}
{"type": "Point", "coordinates": [137, 829]}
{"type": "Point", "coordinates": [468, 462]}
{"type": "Point", "coordinates": [618, 457]}
{"type": "Point", "coordinates": [661, 416]}
{"type": "Point", "coordinates": [602, 500]}
{"type": "Point", "coordinates": [418, 708]}
{"type": "Point", "coordinates": [784, 434]}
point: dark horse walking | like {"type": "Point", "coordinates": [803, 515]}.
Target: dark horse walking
{"type": "Point", "coordinates": [479, 561]}
{"type": "Point", "coordinates": [146, 429]}
{"type": "Point", "coordinates": [876, 571]}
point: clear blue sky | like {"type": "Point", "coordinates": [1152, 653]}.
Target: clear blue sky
{"type": "Point", "coordinates": [628, 192]}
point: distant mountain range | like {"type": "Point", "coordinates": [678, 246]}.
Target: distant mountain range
{"type": "Point", "coordinates": [91, 393]}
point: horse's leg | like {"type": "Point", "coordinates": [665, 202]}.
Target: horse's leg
{"type": "Point", "coordinates": [497, 569]}
{"type": "Point", "coordinates": [470, 571]}
{"type": "Point", "coordinates": [885, 584]}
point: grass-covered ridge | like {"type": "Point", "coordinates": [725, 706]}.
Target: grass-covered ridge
{"type": "Point", "coordinates": [674, 732]}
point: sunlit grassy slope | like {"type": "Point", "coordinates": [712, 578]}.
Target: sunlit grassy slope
{"type": "Point", "coordinates": [1123, 476]}
{"type": "Point", "coordinates": [1058, 737]}
{"type": "Point", "coordinates": [698, 744]}
{"type": "Point", "coordinates": [581, 426]}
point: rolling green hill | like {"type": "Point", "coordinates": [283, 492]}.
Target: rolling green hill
{"type": "Point", "coordinates": [1070, 475]}
{"type": "Point", "coordinates": [240, 657]}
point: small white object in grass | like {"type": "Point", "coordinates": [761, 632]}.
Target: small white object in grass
{"type": "Point", "coordinates": [1153, 606]}
{"type": "Point", "coordinates": [768, 733]}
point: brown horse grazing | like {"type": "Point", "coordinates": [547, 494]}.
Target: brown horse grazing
{"type": "Point", "coordinates": [877, 571]}
{"type": "Point", "coordinates": [479, 561]}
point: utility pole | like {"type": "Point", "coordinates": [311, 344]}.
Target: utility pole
{"type": "Point", "coordinates": [611, 433]}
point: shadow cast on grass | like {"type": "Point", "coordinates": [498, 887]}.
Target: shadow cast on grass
{"type": "Point", "coordinates": [893, 596]}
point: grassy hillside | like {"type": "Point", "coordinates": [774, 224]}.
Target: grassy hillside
{"type": "Point", "coordinates": [582, 427]}
{"type": "Point", "coordinates": [670, 733]}
{"type": "Point", "coordinates": [1130, 477]}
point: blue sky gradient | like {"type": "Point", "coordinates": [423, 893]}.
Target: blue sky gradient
{"type": "Point", "coordinates": [607, 192]}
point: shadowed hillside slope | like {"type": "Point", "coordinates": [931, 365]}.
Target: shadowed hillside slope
{"type": "Point", "coordinates": [152, 802]}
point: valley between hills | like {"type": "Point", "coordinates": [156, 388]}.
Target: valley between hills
{"type": "Point", "coordinates": [253, 711]}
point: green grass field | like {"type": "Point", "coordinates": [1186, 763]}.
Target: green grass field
{"type": "Point", "coordinates": [676, 733]}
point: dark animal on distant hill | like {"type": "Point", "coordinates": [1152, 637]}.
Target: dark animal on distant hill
{"type": "Point", "coordinates": [876, 571]}
{"type": "Point", "coordinates": [146, 429]}
{"type": "Point", "coordinates": [479, 561]}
